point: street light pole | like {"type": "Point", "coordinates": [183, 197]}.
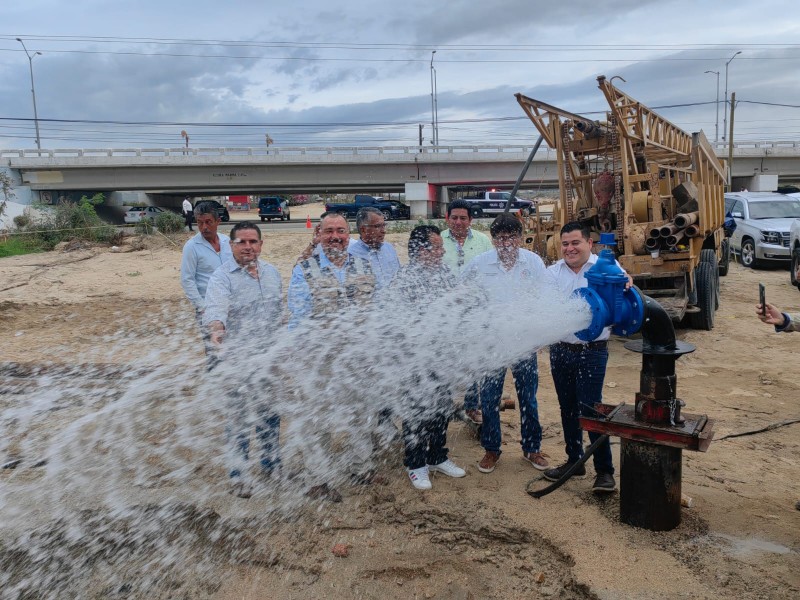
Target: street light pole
{"type": "Point", "coordinates": [33, 93]}
{"type": "Point", "coordinates": [725, 121]}
{"type": "Point", "coordinates": [716, 123]}
{"type": "Point", "coordinates": [434, 137]}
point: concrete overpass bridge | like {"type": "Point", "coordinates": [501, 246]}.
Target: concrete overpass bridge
{"type": "Point", "coordinates": [163, 176]}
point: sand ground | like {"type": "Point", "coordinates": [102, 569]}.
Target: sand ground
{"type": "Point", "coordinates": [483, 536]}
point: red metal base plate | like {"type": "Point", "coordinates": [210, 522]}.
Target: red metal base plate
{"type": "Point", "coordinates": [695, 433]}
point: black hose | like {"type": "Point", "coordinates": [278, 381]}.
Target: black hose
{"type": "Point", "coordinates": [566, 476]}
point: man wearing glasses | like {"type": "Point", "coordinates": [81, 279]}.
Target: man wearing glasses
{"type": "Point", "coordinates": [328, 284]}
{"type": "Point", "coordinates": [243, 309]}
{"type": "Point", "coordinates": [461, 245]}
{"type": "Point", "coordinates": [503, 273]}
{"type": "Point", "coordinates": [381, 255]}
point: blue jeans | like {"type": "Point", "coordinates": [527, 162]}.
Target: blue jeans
{"type": "Point", "coordinates": [578, 377]}
{"type": "Point", "coordinates": [526, 380]}
{"type": "Point", "coordinates": [267, 426]}
{"type": "Point", "coordinates": [472, 398]}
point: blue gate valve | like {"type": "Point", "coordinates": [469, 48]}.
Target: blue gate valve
{"type": "Point", "coordinates": [609, 302]}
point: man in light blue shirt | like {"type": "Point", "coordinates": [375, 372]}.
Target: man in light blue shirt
{"type": "Point", "coordinates": [329, 282]}
{"type": "Point", "coordinates": [243, 310]}
{"type": "Point", "coordinates": [381, 255]}
{"type": "Point", "coordinates": [332, 278]}
{"type": "Point", "coordinates": [202, 255]}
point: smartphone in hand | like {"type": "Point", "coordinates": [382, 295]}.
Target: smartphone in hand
{"type": "Point", "coordinates": [762, 298]}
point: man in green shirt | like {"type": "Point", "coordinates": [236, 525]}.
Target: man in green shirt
{"type": "Point", "coordinates": [461, 245]}
{"type": "Point", "coordinates": [461, 242]}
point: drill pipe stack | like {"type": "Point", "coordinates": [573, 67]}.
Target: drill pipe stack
{"type": "Point", "coordinates": [669, 235]}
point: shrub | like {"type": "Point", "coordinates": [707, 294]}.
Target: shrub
{"type": "Point", "coordinates": [144, 226]}
{"type": "Point", "coordinates": [22, 221]}
{"type": "Point", "coordinates": [170, 222]}
{"type": "Point", "coordinates": [71, 221]}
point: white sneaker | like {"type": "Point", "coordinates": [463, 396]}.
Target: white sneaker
{"type": "Point", "coordinates": [419, 478]}
{"type": "Point", "coordinates": [448, 468]}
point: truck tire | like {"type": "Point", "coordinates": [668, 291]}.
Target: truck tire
{"type": "Point", "coordinates": [748, 254]}
{"type": "Point", "coordinates": [476, 212]}
{"type": "Point", "coordinates": [705, 276]}
{"type": "Point", "coordinates": [263, 219]}
{"type": "Point", "coordinates": [794, 269]}
{"type": "Point", "coordinates": [708, 255]}
{"type": "Point", "coordinates": [725, 262]}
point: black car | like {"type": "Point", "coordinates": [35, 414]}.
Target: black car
{"type": "Point", "coordinates": [222, 211]}
{"type": "Point", "coordinates": [273, 207]}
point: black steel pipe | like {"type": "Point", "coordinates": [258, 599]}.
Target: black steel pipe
{"type": "Point", "coordinates": [657, 330]}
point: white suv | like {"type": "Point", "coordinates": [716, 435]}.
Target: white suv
{"type": "Point", "coordinates": [763, 220]}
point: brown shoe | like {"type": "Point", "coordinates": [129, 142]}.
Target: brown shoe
{"type": "Point", "coordinates": [537, 459]}
{"type": "Point", "coordinates": [488, 462]}
{"type": "Point", "coordinates": [475, 416]}
{"type": "Point", "coordinates": [508, 404]}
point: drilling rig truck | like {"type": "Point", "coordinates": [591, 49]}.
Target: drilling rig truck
{"type": "Point", "coordinates": [658, 188]}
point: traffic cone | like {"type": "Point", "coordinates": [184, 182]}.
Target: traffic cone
{"type": "Point", "coordinates": [308, 222]}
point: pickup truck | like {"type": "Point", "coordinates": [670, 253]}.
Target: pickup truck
{"type": "Point", "coordinates": [389, 208]}
{"type": "Point", "coordinates": [494, 203]}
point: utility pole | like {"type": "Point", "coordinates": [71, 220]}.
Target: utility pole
{"type": "Point", "coordinates": [716, 123]}
{"type": "Point", "coordinates": [420, 136]}
{"type": "Point", "coordinates": [33, 93]}
{"type": "Point", "coordinates": [730, 143]}
{"type": "Point", "coordinates": [433, 101]}
{"type": "Point", "coordinates": [725, 120]}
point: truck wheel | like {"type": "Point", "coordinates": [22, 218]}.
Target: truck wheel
{"type": "Point", "coordinates": [705, 276]}
{"type": "Point", "coordinates": [748, 255]}
{"type": "Point", "coordinates": [725, 262]}
{"type": "Point", "coordinates": [476, 211]}
{"type": "Point", "coordinates": [263, 219]}
{"type": "Point", "coordinates": [710, 257]}
{"type": "Point", "coordinates": [387, 214]}
{"type": "Point", "coordinates": [794, 270]}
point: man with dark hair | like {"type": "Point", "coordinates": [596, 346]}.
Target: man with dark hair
{"type": "Point", "coordinates": [503, 273]}
{"type": "Point", "coordinates": [461, 245]}
{"type": "Point", "coordinates": [425, 419]}
{"type": "Point", "coordinates": [578, 367]}
{"type": "Point", "coordinates": [242, 311]}
{"type": "Point", "coordinates": [187, 212]}
{"type": "Point", "coordinates": [202, 255]}
{"type": "Point", "coordinates": [371, 225]}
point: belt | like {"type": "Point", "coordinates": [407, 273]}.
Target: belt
{"type": "Point", "coordinates": [601, 345]}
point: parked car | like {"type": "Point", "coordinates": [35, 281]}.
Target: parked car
{"type": "Point", "coordinates": [135, 214]}
{"type": "Point", "coordinates": [794, 247]}
{"type": "Point", "coordinates": [222, 211]}
{"type": "Point", "coordinates": [273, 207]}
{"type": "Point", "coordinates": [763, 220]}
{"type": "Point", "coordinates": [494, 203]}
{"type": "Point", "coordinates": [390, 208]}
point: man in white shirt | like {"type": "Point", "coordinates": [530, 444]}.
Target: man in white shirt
{"type": "Point", "coordinates": [188, 212]}
{"type": "Point", "coordinates": [242, 310]}
{"type": "Point", "coordinates": [578, 367]}
{"type": "Point", "coordinates": [462, 244]}
{"type": "Point", "coordinates": [503, 274]}
{"type": "Point", "coordinates": [381, 255]}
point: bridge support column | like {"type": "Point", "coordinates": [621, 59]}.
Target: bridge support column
{"type": "Point", "coordinates": [421, 197]}
{"type": "Point", "coordinates": [20, 198]}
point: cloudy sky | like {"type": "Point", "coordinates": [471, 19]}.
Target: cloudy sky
{"type": "Point", "coordinates": [355, 72]}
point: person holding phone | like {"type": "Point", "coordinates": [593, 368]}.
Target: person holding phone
{"type": "Point", "coordinates": [783, 322]}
